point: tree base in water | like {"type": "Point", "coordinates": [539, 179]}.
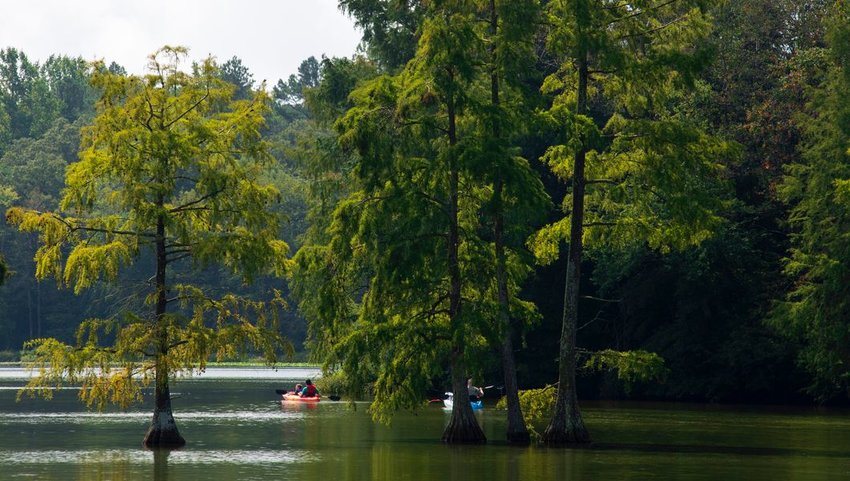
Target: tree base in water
{"type": "Point", "coordinates": [519, 438]}
{"type": "Point", "coordinates": [566, 437]}
{"type": "Point", "coordinates": [464, 438]}
{"type": "Point", "coordinates": [163, 438]}
{"type": "Point", "coordinates": [464, 433]}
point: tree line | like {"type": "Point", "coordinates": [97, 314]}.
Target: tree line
{"type": "Point", "coordinates": [648, 195]}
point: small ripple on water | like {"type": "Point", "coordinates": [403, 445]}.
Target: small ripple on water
{"type": "Point", "coordinates": [141, 457]}
{"type": "Point", "coordinates": [88, 417]}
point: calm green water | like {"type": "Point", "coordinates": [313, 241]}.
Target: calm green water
{"type": "Point", "coordinates": [237, 430]}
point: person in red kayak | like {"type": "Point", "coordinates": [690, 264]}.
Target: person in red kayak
{"type": "Point", "coordinates": [309, 390]}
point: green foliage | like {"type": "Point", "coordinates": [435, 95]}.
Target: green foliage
{"type": "Point", "coordinates": [816, 190]}
{"type": "Point", "coordinates": [332, 384]}
{"type": "Point", "coordinates": [7, 196]}
{"type": "Point", "coordinates": [171, 166]}
{"type": "Point", "coordinates": [292, 91]}
{"type": "Point", "coordinates": [26, 95]}
{"type": "Point", "coordinates": [537, 407]}
{"type": "Point", "coordinates": [631, 366]}
{"type": "Point", "coordinates": [390, 28]}
{"type": "Point", "coordinates": [652, 174]}
{"type": "Point", "coordinates": [400, 281]}
{"type": "Point", "coordinates": [329, 99]}
{"type": "Point", "coordinates": [35, 167]}
{"type": "Point", "coordinates": [233, 72]}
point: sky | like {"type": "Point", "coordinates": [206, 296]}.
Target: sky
{"type": "Point", "coordinates": [271, 37]}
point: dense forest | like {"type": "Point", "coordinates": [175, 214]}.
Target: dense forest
{"type": "Point", "coordinates": [539, 187]}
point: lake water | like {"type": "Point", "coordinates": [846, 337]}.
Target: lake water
{"type": "Point", "coordinates": [236, 429]}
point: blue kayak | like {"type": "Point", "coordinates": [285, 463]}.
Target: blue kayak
{"type": "Point", "coordinates": [449, 402]}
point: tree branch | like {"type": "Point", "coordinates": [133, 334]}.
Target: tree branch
{"type": "Point", "coordinates": [187, 111]}
{"type": "Point", "coordinates": [601, 299]}
{"type": "Point", "coordinates": [602, 181]}
{"type": "Point", "coordinates": [73, 228]}
{"type": "Point", "coordinates": [196, 201]}
{"type": "Point", "coordinates": [641, 12]}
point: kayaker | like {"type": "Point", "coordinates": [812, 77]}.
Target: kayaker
{"type": "Point", "coordinates": [309, 390]}
{"type": "Point", "coordinates": [475, 393]}
{"type": "Point", "coordinates": [297, 389]}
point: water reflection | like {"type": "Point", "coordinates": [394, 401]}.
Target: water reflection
{"type": "Point", "coordinates": [241, 430]}
{"type": "Point", "coordinates": [144, 457]}
{"type": "Point", "coordinates": [160, 464]}
{"type": "Point", "coordinates": [297, 406]}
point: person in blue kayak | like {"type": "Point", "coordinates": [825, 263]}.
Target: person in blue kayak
{"type": "Point", "coordinates": [475, 393]}
{"type": "Point", "coordinates": [309, 389]}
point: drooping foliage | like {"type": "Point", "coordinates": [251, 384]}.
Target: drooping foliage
{"type": "Point", "coordinates": [171, 166]}
{"type": "Point", "coordinates": [406, 281]}
{"type": "Point", "coordinates": [640, 172]}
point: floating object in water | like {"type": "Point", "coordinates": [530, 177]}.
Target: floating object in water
{"type": "Point", "coordinates": [448, 402]}
{"type": "Point", "coordinates": [296, 398]}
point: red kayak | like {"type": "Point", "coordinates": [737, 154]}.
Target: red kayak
{"type": "Point", "coordinates": [295, 397]}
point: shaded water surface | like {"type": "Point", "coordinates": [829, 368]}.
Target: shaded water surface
{"type": "Point", "coordinates": [238, 430]}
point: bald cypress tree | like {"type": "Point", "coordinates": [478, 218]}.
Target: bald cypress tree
{"type": "Point", "coordinates": [171, 167]}
{"type": "Point", "coordinates": [637, 170]}
{"type": "Point", "coordinates": [407, 280]}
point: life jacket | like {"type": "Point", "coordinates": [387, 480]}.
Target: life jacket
{"type": "Point", "coordinates": [311, 391]}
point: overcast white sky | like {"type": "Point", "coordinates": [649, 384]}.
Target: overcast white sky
{"type": "Point", "coordinates": [271, 37]}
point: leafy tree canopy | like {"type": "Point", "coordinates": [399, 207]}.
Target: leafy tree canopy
{"type": "Point", "coordinates": [171, 165]}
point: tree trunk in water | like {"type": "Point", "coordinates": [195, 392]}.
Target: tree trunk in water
{"type": "Point", "coordinates": [567, 426]}
{"type": "Point", "coordinates": [463, 427]}
{"type": "Point", "coordinates": [517, 432]}
{"type": "Point", "coordinates": [163, 430]}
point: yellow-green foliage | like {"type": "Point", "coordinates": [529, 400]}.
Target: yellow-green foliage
{"type": "Point", "coordinates": [537, 406]}
{"type": "Point", "coordinates": [631, 366]}
{"type": "Point", "coordinates": [333, 383]}
{"type": "Point", "coordinates": [7, 195]}
{"type": "Point", "coordinates": [87, 264]}
{"type": "Point", "coordinates": [171, 164]}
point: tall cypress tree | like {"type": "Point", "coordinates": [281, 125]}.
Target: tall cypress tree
{"type": "Point", "coordinates": [638, 171]}
{"type": "Point", "coordinates": [170, 166]}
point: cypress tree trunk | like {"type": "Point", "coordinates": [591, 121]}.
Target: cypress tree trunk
{"type": "Point", "coordinates": [463, 428]}
{"type": "Point", "coordinates": [163, 430]}
{"type": "Point", "coordinates": [567, 426]}
{"type": "Point", "coordinates": [517, 432]}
